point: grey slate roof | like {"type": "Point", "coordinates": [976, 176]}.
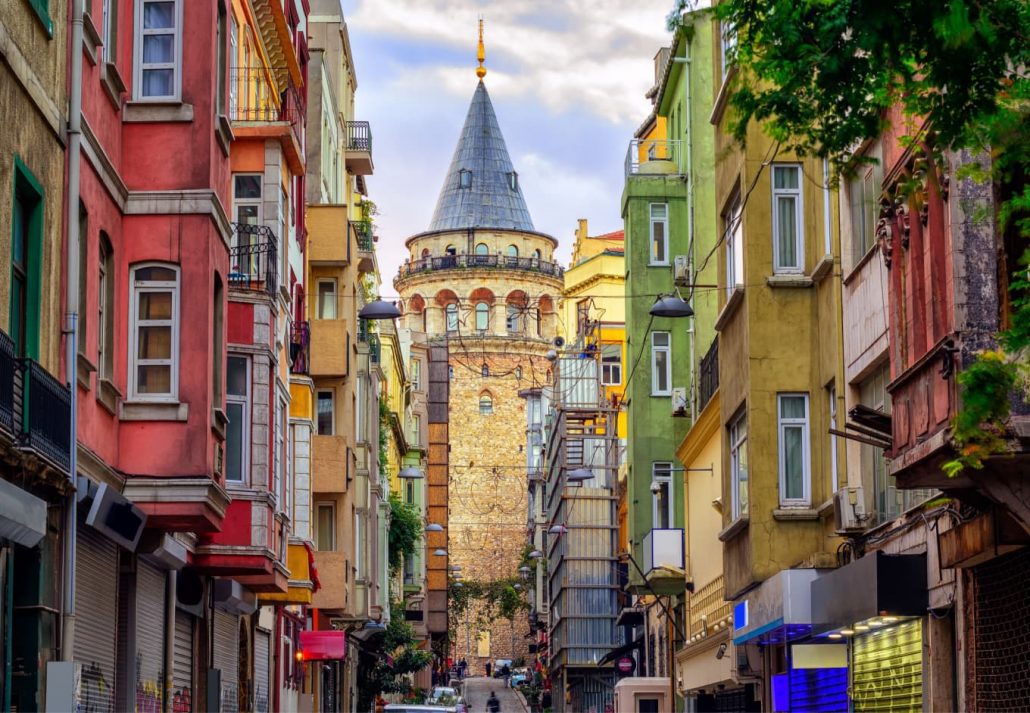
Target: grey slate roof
{"type": "Point", "coordinates": [490, 202]}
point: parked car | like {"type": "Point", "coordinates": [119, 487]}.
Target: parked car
{"type": "Point", "coordinates": [421, 708]}
{"type": "Point", "coordinates": [502, 667]}
{"type": "Point", "coordinates": [519, 677]}
{"type": "Point", "coordinates": [442, 694]}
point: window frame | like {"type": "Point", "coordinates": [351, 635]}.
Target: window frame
{"type": "Point", "coordinates": [134, 326]}
{"type": "Point", "coordinates": [513, 318]}
{"type": "Point", "coordinates": [782, 425]}
{"type": "Point", "coordinates": [482, 309]}
{"type": "Point", "coordinates": [832, 396]}
{"type": "Point", "coordinates": [733, 236]}
{"type": "Point", "coordinates": [175, 65]}
{"type": "Point", "coordinates": [487, 400]}
{"type": "Point", "coordinates": [332, 412]}
{"type": "Point", "coordinates": [610, 367]}
{"type": "Point", "coordinates": [464, 178]}
{"type": "Point", "coordinates": [244, 401]}
{"type": "Point", "coordinates": [416, 429]}
{"type": "Point", "coordinates": [799, 215]}
{"type": "Point", "coordinates": [105, 308]}
{"type": "Point", "coordinates": [652, 221]}
{"type": "Point", "coordinates": [319, 305]}
{"type": "Point", "coordinates": [416, 374]}
{"type": "Point", "coordinates": [667, 350]}
{"type": "Point", "coordinates": [451, 317]}
{"type": "Point", "coordinates": [737, 435]}
{"type": "Point", "coordinates": [661, 473]}
{"type": "Point", "coordinates": [331, 507]}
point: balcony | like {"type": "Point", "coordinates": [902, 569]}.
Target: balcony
{"type": "Point", "coordinates": [489, 262]}
{"type": "Point", "coordinates": [258, 109]}
{"type": "Point", "coordinates": [370, 340]}
{"type": "Point", "coordinates": [365, 241]}
{"type": "Point", "coordinates": [708, 377]}
{"type": "Point", "coordinates": [253, 262]}
{"type": "Point", "coordinates": [328, 242]}
{"type": "Point", "coordinates": [300, 347]}
{"type": "Point", "coordinates": [35, 408]}
{"type": "Point", "coordinates": [329, 356]}
{"type": "Point", "coordinates": [359, 148]}
{"type": "Point", "coordinates": [655, 157]}
{"type": "Point", "coordinates": [663, 560]}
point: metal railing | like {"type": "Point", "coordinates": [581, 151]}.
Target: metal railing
{"type": "Point", "coordinates": [466, 261]}
{"type": "Point", "coordinates": [708, 375]}
{"type": "Point", "coordinates": [253, 263]}
{"type": "Point", "coordinates": [8, 369]}
{"type": "Point", "coordinates": [42, 412]}
{"type": "Point", "coordinates": [359, 136]}
{"type": "Point", "coordinates": [254, 99]}
{"type": "Point", "coordinates": [655, 157]}
{"type": "Point", "coordinates": [300, 343]}
{"type": "Point", "coordinates": [367, 336]}
{"type": "Point", "coordinates": [363, 235]}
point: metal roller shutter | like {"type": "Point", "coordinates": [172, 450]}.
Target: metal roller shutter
{"type": "Point", "coordinates": [96, 591]}
{"type": "Point", "coordinates": [226, 657]}
{"type": "Point", "coordinates": [150, 635]}
{"type": "Point", "coordinates": [262, 694]}
{"type": "Point", "coordinates": [887, 669]}
{"type": "Point", "coordinates": [182, 672]}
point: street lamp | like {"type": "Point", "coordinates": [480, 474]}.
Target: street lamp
{"type": "Point", "coordinates": [535, 555]}
{"type": "Point", "coordinates": [455, 567]}
{"type": "Point", "coordinates": [434, 527]}
{"type": "Point", "coordinates": [379, 309]}
{"type": "Point", "coordinates": [410, 472]}
{"type": "Point", "coordinates": [524, 572]}
{"type": "Point", "coordinates": [671, 306]}
{"type": "Point", "coordinates": [439, 552]}
{"type": "Point", "coordinates": [557, 530]}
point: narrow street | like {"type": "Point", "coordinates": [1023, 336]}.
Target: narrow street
{"type": "Point", "coordinates": [477, 691]}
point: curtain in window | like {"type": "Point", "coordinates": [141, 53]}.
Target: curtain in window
{"type": "Point", "coordinates": [786, 220]}
{"type": "Point", "coordinates": [155, 343]}
{"type": "Point", "coordinates": [793, 409]}
{"type": "Point", "coordinates": [158, 51]}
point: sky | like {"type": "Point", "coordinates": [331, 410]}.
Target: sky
{"type": "Point", "coordinates": [567, 79]}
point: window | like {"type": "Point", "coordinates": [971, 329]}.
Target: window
{"type": "Point", "coordinates": [514, 319]}
{"type": "Point", "coordinates": [409, 491]}
{"type": "Point", "coordinates": [218, 341]}
{"type": "Point", "coordinates": [450, 372]}
{"type": "Point", "coordinates": [611, 364]}
{"type": "Point", "coordinates": [728, 46]}
{"type": "Point", "coordinates": [738, 466]}
{"type": "Point", "coordinates": [464, 178]}
{"type": "Point", "coordinates": [661, 489]}
{"type": "Point", "coordinates": [513, 181]}
{"type": "Point", "coordinates": [863, 192]}
{"type": "Point", "coordinates": [105, 310]}
{"type": "Point", "coordinates": [482, 316]}
{"type": "Point", "coordinates": [485, 370]}
{"type": "Point", "coordinates": [237, 411]}
{"type": "Point", "coordinates": [359, 546]}
{"type": "Point", "coordinates": [326, 414]}
{"type": "Point", "coordinates": [482, 249]}
{"type": "Point", "coordinates": [450, 250]}
{"type": "Point", "coordinates": [659, 217]}
{"type": "Point", "coordinates": [26, 261]}
{"type": "Point", "coordinates": [325, 527]}
{"type": "Point", "coordinates": [452, 317]}
{"type": "Point", "coordinates": [109, 30]}
{"type": "Point", "coordinates": [281, 483]}
{"type": "Point", "coordinates": [416, 431]}
{"type": "Point", "coordinates": [513, 251]}
{"type": "Point", "coordinates": [234, 34]}
{"type": "Point", "coordinates": [154, 333]}
{"type": "Point", "coordinates": [416, 374]}
{"type": "Point", "coordinates": [534, 411]}
{"type": "Point", "coordinates": [788, 230]}
{"type": "Point", "coordinates": [795, 450]}
{"type": "Point", "coordinates": [518, 372]}
{"type": "Point", "coordinates": [326, 306]}
{"type": "Point", "coordinates": [733, 227]}
{"type": "Point", "coordinates": [832, 399]}
{"type": "Point", "coordinates": [246, 198]}
{"type": "Point", "coordinates": [486, 405]}
{"type": "Point", "coordinates": [661, 364]}
{"type": "Point", "coordinates": [83, 272]}
{"type": "Point", "coordinates": [222, 65]}
{"type": "Point", "coordinates": [158, 49]}
{"type": "Point", "coordinates": [537, 254]}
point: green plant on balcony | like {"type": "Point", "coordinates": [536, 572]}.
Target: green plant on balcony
{"type": "Point", "coordinates": [386, 657]}
{"type": "Point", "coordinates": [405, 531]}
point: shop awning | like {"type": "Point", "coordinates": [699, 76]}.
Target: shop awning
{"type": "Point", "coordinates": [22, 515]}
{"type": "Point", "coordinates": [778, 610]}
{"type": "Point", "coordinates": [876, 585]}
{"type": "Point", "coordinates": [323, 645]}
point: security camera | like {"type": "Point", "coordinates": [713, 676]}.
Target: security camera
{"type": "Point", "coordinates": [559, 342]}
{"type": "Point", "coordinates": [655, 487]}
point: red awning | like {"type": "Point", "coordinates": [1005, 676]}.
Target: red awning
{"type": "Point", "coordinates": [323, 645]}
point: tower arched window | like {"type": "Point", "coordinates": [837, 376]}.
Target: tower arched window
{"type": "Point", "coordinates": [513, 251]}
{"type": "Point", "coordinates": [425, 252]}
{"type": "Point", "coordinates": [482, 316]}
{"type": "Point", "coordinates": [485, 370]}
{"type": "Point", "coordinates": [514, 321]}
{"type": "Point", "coordinates": [482, 249]}
{"type": "Point", "coordinates": [537, 254]}
{"type": "Point", "coordinates": [518, 372]}
{"type": "Point", "coordinates": [464, 178]}
{"type": "Point", "coordinates": [486, 404]}
{"type": "Point", "coordinates": [451, 250]}
{"type": "Point", "coordinates": [452, 317]}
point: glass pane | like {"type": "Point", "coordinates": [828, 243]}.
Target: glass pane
{"type": "Point", "coordinates": [659, 210]}
{"type": "Point", "coordinates": [786, 222]}
{"type": "Point", "coordinates": [155, 274]}
{"type": "Point", "coordinates": [325, 414]}
{"type": "Point", "coordinates": [513, 251]}
{"type": "Point", "coordinates": [742, 476]}
{"type": "Point", "coordinates": [481, 249]}
{"type": "Point", "coordinates": [247, 215]}
{"type": "Point", "coordinates": [482, 316]}
{"type": "Point", "coordinates": [327, 300]}
{"type": "Point", "coordinates": [661, 361]}
{"type": "Point", "coordinates": [452, 317]}
{"type": "Point", "coordinates": [158, 49]}
{"type": "Point", "coordinates": [157, 15]}
{"type": "Point", "coordinates": [661, 500]}
{"type": "Point", "coordinates": [236, 376]}
{"type": "Point", "coordinates": [658, 242]}
{"type": "Point", "coordinates": [154, 379]}
{"type": "Point", "coordinates": [786, 177]}
{"type": "Point", "coordinates": [792, 406]}
{"type": "Point", "coordinates": [155, 343]}
{"type": "Point", "coordinates": [325, 526]}
{"type": "Point", "coordinates": [155, 305]}
{"type": "Point", "coordinates": [793, 467]}
{"type": "Point", "coordinates": [247, 186]}
{"type": "Point", "coordinates": [157, 82]}
{"type": "Point", "coordinates": [660, 339]}
{"type": "Point", "coordinates": [234, 442]}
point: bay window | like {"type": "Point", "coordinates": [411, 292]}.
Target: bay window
{"type": "Point", "coordinates": [788, 226]}
{"type": "Point", "coordinates": [154, 333]}
{"type": "Point", "coordinates": [738, 466]}
{"type": "Point", "coordinates": [237, 411]}
{"type": "Point", "coordinates": [795, 450]}
{"type": "Point", "coordinates": [662, 509]}
{"type": "Point", "coordinates": [158, 50]}
{"type": "Point", "coordinates": [661, 364]}
{"type": "Point", "coordinates": [659, 222]}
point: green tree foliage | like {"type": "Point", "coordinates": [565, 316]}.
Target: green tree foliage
{"type": "Point", "coordinates": [820, 76]}
{"type": "Point", "coordinates": [405, 531]}
{"type": "Point", "coordinates": [484, 600]}
{"type": "Point", "coordinates": [387, 657]}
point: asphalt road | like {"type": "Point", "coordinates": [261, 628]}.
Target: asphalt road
{"type": "Point", "coordinates": [477, 690]}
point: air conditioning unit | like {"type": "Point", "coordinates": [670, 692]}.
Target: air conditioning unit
{"type": "Point", "coordinates": [679, 401]}
{"type": "Point", "coordinates": [681, 270]}
{"type": "Point", "coordinates": [849, 513]}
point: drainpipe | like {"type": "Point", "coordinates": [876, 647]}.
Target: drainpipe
{"type": "Point", "coordinates": [171, 580]}
{"type": "Point", "coordinates": [72, 327]}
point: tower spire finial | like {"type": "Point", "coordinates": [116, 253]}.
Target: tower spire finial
{"type": "Point", "coordinates": [481, 53]}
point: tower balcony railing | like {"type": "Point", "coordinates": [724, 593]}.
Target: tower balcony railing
{"type": "Point", "coordinates": [656, 157]}
{"type": "Point", "coordinates": [253, 262]}
{"type": "Point", "coordinates": [466, 261]}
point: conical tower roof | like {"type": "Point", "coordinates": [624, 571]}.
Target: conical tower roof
{"type": "Point", "coordinates": [481, 189]}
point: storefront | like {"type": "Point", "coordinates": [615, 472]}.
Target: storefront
{"type": "Point", "coordinates": [873, 608]}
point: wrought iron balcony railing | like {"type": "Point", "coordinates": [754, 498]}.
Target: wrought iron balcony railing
{"type": "Point", "coordinates": [367, 336]}
{"type": "Point", "coordinates": [708, 375]}
{"type": "Point", "coordinates": [655, 157]}
{"type": "Point", "coordinates": [363, 234]}
{"type": "Point", "coordinates": [359, 136]}
{"type": "Point", "coordinates": [300, 347]}
{"type": "Point", "coordinates": [35, 408]}
{"type": "Point", "coordinates": [253, 261]}
{"type": "Point", "coordinates": [465, 261]}
{"type": "Point", "coordinates": [254, 99]}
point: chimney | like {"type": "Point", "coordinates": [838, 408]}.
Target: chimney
{"type": "Point", "coordinates": [581, 231]}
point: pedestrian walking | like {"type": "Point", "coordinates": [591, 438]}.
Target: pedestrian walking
{"type": "Point", "coordinates": [493, 703]}
{"type": "Point", "coordinates": [488, 669]}
{"type": "Point", "coordinates": [463, 666]}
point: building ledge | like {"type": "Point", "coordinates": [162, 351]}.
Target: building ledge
{"type": "Point", "coordinates": [113, 84]}
{"type": "Point", "coordinates": [790, 281]}
{"type": "Point", "coordinates": [795, 514]}
{"type": "Point", "coordinates": [730, 308]}
{"type": "Point", "coordinates": [822, 268]}
{"type": "Point", "coordinates": [140, 112]}
{"type": "Point", "coordinates": [154, 411]}
{"type": "Point", "coordinates": [192, 504]}
{"type": "Point", "coordinates": [734, 529]}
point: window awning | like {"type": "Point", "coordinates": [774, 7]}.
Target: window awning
{"type": "Point", "coordinates": [22, 515]}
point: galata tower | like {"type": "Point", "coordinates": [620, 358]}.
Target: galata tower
{"type": "Point", "coordinates": [484, 282]}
